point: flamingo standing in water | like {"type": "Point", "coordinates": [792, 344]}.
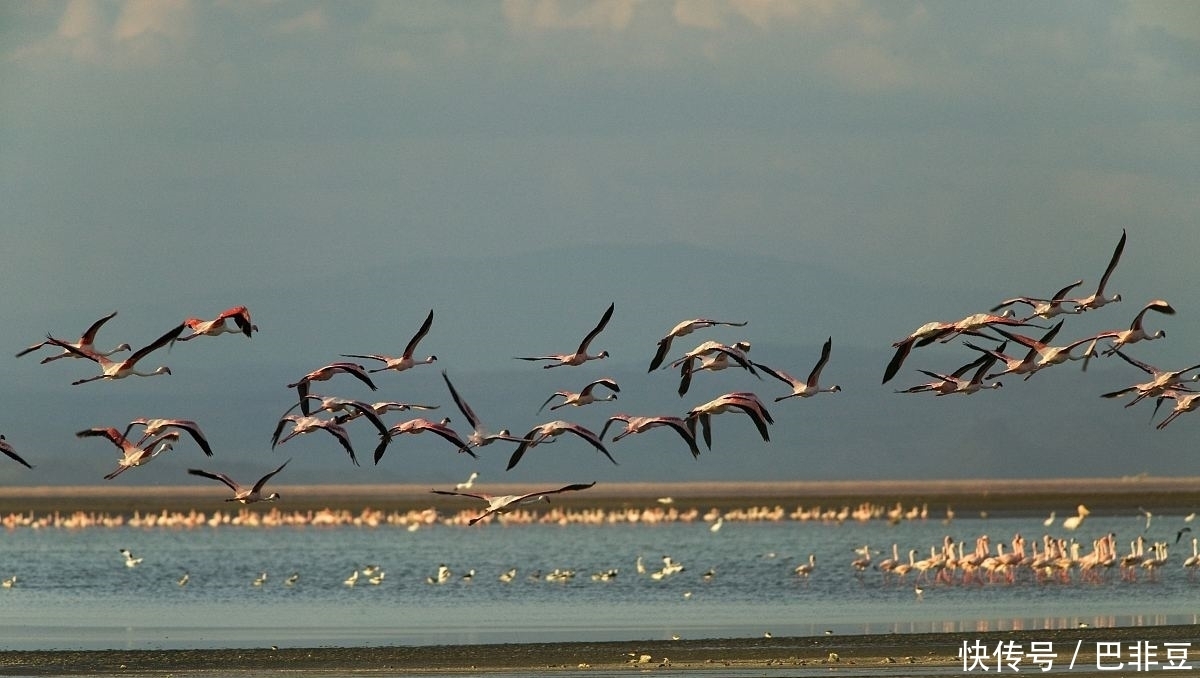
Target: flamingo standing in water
{"type": "Point", "coordinates": [86, 343]}
{"type": "Point", "coordinates": [505, 503]}
{"type": "Point", "coordinates": [405, 360]}
{"type": "Point", "coordinates": [111, 370]}
{"type": "Point", "coordinates": [581, 355]}
{"type": "Point", "coordinates": [132, 455]}
{"type": "Point", "coordinates": [156, 426]}
{"type": "Point", "coordinates": [543, 432]}
{"type": "Point", "coordinates": [7, 449]}
{"type": "Point", "coordinates": [238, 314]}
{"type": "Point", "coordinates": [324, 374]}
{"type": "Point", "coordinates": [479, 435]}
{"type": "Point", "coordinates": [681, 330]}
{"type": "Point", "coordinates": [640, 424]}
{"type": "Point", "coordinates": [808, 387]}
{"type": "Point", "coordinates": [744, 401]}
{"type": "Point", "coordinates": [584, 397]}
{"type": "Point", "coordinates": [1097, 298]}
{"type": "Point", "coordinates": [245, 495]}
{"type": "Point", "coordinates": [420, 425]}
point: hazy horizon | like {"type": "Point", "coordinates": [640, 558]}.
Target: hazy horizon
{"type": "Point", "coordinates": [845, 170]}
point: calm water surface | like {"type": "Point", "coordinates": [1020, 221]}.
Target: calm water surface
{"type": "Point", "coordinates": [74, 591]}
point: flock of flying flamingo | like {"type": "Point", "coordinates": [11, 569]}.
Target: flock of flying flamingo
{"type": "Point", "coordinates": [332, 414]}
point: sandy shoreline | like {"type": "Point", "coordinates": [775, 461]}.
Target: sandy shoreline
{"type": "Point", "coordinates": [1159, 494]}
{"type": "Point", "coordinates": [884, 654]}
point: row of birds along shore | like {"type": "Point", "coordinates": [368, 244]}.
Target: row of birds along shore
{"type": "Point", "coordinates": [1001, 343]}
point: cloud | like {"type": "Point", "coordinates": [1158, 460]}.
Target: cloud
{"type": "Point", "coordinates": [538, 15]}
{"type": "Point", "coordinates": [313, 19]}
{"type": "Point", "coordinates": [169, 19]}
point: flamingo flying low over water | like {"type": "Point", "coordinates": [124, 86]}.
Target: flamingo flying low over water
{"type": "Point", "coordinates": [238, 314]}
{"type": "Point", "coordinates": [86, 343]}
{"type": "Point", "coordinates": [111, 370]}
{"type": "Point", "coordinates": [6, 448]}
{"type": "Point", "coordinates": [479, 435]}
{"type": "Point", "coordinates": [420, 425]}
{"type": "Point", "coordinates": [1097, 298]}
{"type": "Point", "coordinates": [543, 432]}
{"type": "Point", "coordinates": [681, 330]}
{"type": "Point", "coordinates": [505, 503]}
{"type": "Point", "coordinates": [808, 387]}
{"type": "Point", "coordinates": [133, 455]}
{"type": "Point", "coordinates": [324, 374]}
{"type": "Point", "coordinates": [581, 355]}
{"type": "Point", "coordinates": [584, 397]}
{"type": "Point", "coordinates": [744, 401]}
{"type": "Point", "coordinates": [245, 495]}
{"type": "Point", "coordinates": [405, 360]}
{"type": "Point", "coordinates": [307, 424]}
{"type": "Point", "coordinates": [641, 424]}
{"type": "Point", "coordinates": [156, 426]}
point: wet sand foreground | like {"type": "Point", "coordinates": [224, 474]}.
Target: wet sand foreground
{"type": "Point", "coordinates": [885, 654]}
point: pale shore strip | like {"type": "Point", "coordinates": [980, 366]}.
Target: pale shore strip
{"type": "Point", "coordinates": [1176, 492]}
{"type": "Point", "coordinates": [889, 655]}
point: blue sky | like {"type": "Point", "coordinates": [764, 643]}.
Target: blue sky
{"type": "Point", "coordinates": [844, 169]}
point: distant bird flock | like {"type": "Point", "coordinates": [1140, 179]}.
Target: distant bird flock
{"type": "Point", "coordinates": [1030, 344]}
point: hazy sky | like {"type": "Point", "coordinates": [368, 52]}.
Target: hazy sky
{"type": "Point", "coordinates": [844, 169]}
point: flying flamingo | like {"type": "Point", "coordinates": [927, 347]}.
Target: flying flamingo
{"type": "Point", "coordinates": [1044, 308]}
{"type": "Point", "coordinates": [479, 436]}
{"type": "Point", "coordinates": [581, 355]}
{"type": "Point", "coordinates": [133, 455]}
{"type": "Point", "coordinates": [641, 424]}
{"type": "Point", "coordinates": [543, 432]}
{"type": "Point", "coordinates": [1051, 355]}
{"type": "Point", "coordinates": [808, 387]}
{"type": "Point", "coordinates": [238, 314]}
{"type": "Point", "coordinates": [307, 424]}
{"type": "Point", "coordinates": [404, 361]}
{"type": "Point", "coordinates": [85, 343]}
{"type": "Point", "coordinates": [1161, 381]}
{"type": "Point", "coordinates": [584, 397]}
{"type": "Point", "coordinates": [739, 400]}
{"type": "Point", "coordinates": [325, 373]}
{"type": "Point", "coordinates": [156, 426]}
{"type": "Point", "coordinates": [8, 450]}
{"type": "Point", "coordinates": [954, 383]}
{"type": "Point", "coordinates": [1013, 365]}
{"type": "Point", "coordinates": [1097, 299]}
{"type": "Point", "coordinates": [944, 331]}
{"type": "Point", "coordinates": [712, 356]}
{"type": "Point", "coordinates": [1137, 332]}
{"type": "Point", "coordinates": [111, 370]}
{"type": "Point", "coordinates": [1184, 402]}
{"type": "Point", "coordinates": [420, 425]}
{"type": "Point", "coordinates": [349, 409]}
{"type": "Point", "coordinates": [681, 330]}
{"type": "Point", "coordinates": [505, 503]}
{"type": "Point", "coordinates": [245, 495]}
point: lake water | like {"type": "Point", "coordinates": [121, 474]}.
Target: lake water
{"type": "Point", "coordinates": [74, 591]}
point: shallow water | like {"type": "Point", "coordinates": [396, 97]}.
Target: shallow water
{"type": "Point", "coordinates": [74, 591]}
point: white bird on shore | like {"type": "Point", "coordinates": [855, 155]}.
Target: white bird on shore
{"type": "Point", "coordinates": [1074, 521]}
